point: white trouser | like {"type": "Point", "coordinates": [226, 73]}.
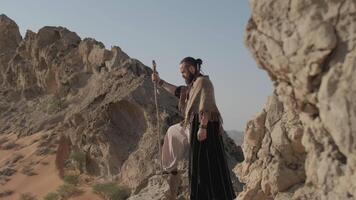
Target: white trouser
{"type": "Point", "coordinates": [176, 144]}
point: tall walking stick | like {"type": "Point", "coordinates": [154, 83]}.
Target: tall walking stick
{"type": "Point", "coordinates": [157, 112]}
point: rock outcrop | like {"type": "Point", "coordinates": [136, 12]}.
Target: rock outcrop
{"type": "Point", "coordinates": [97, 103]}
{"type": "Point", "coordinates": [9, 40]}
{"type": "Point", "coordinates": [302, 145]}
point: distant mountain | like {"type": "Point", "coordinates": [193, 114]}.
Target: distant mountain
{"type": "Point", "coordinates": [237, 136]}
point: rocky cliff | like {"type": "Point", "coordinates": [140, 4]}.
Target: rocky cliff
{"type": "Point", "coordinates": [302, 144]}
{"type": "Point", "coordinates": [95, 105]}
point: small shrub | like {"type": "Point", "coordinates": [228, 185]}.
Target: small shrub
{"type": "Point", "coordinates": [27, 170]}
{"type": "Point", "coordinates": [41, 151]}
{"type": "Point", "coordinates": [27, 196]}
{"type": "Point", "coordinates": [51, 196]}
{"type": "Point", "coordinates": [67, 190]}
{"type": "Point", "coordinates": [71, 179]}
{"type": "Point", "coordinates": [56, 105]}
{"type": "Point", "coordinates": [9, 145]}
{"type": "Point", "coordinates": [14, 159]}
{"type": "Point", "coordinates": [6, 193]}
{"type": "Point", "coordinates": [79, 157]}
{"type": "Point", "coordinates": [111, 191]}
{"type": "Point", "coordinates": [8, 171]}
{"type": "Point", "coordinates": [64, 89]}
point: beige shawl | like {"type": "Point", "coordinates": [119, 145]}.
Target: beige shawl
{"type": "Point", "coordinates": [201, 100]}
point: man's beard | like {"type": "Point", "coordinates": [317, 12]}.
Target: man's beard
{"type": "Point", "coordinates": [189, 79]}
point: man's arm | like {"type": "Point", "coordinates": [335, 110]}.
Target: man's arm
{"type": "Point", "coordinates": [167, 86]}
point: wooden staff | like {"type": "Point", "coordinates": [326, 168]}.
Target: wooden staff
{"type": "Point", "coordinates": [157, 112]}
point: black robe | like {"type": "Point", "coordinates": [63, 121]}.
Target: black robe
{"type": "Point", "coordinates": [209, 176]}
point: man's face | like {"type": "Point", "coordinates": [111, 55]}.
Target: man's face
{"type": "Point", "coordinates": [187, 72]}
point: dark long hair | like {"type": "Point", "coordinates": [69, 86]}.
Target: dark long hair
{"type": "Point", "coordinates": [196, 63]}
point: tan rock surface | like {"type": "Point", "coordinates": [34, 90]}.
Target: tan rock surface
{"type": "Point", "coordinates": [302, 146]}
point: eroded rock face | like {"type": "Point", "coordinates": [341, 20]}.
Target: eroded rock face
{"type": "Point", "coordinates": [100, 100]}
{"type": "Point", "coordinates": [9, 40]}
{"type": "Point", "coordinates": [274, 155]}
{"type": "Point", "coordinates": [97, 103]}
{"type": "Point", "coordinates": [302, 146]}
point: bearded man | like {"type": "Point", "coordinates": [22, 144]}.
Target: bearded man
{"type": "Point", "coordinates": [200, 132]}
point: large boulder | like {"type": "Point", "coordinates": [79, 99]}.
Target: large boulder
{"type": "Point", "coordinates": [307, 49]}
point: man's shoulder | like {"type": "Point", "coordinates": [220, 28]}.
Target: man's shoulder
{"type": "Point", "coordinates": [204, 79]}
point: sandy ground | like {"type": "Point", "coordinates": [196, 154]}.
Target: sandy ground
{"type": "Point", "coordinates": [46, 179]}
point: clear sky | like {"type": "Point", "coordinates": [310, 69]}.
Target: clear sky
{"type": "Point", "coordinates": [166, 31]}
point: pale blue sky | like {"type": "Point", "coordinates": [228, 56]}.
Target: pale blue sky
{"type": "Point", "coordinates": [166, 31]}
